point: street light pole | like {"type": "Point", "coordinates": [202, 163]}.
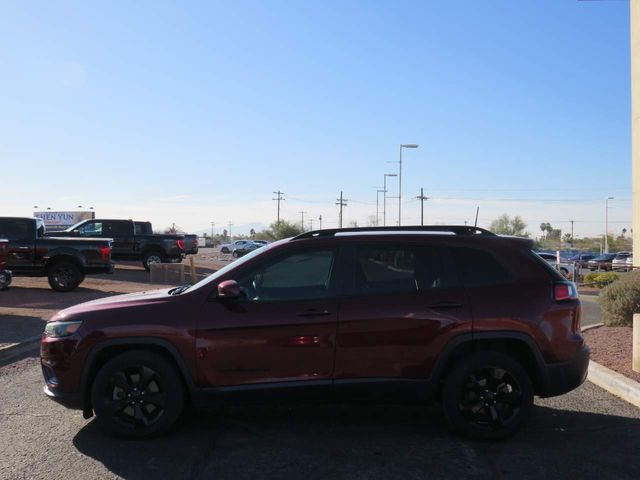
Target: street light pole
{"type": "Point", "coordinates": [384, 202]}
{"type": "Point", "coordinates": [606, 224]}
{"type": "Point", "coordinates": [408, 145]}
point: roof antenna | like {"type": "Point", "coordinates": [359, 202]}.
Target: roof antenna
{"type": "Point", "coordinates": [477, 210]}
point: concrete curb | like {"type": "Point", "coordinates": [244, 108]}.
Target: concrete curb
{"type": "Point", "coordinates": [14, 349]}
{"type": "Point", "coordinates": [615, 383]}
{"type": "Point", "coordinates": [590, 327]}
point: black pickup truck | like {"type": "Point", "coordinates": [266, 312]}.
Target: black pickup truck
{"type": "Point", "coordinates": [190, 240]}
{"type": "Point", "coordinates": [65, 261]}
{"type": "Point", "coordinates": [127, 243]}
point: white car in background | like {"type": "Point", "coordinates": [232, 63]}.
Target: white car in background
{"type": "Point", "coordinates": [565, 268]}
{"type": "Point", "coordinates": [623, 261]}
{"type": "Point", "coordinates": [230, 247]}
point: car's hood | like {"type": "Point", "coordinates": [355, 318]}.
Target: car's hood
{"type": "Point", "coordinates": [115, 302]}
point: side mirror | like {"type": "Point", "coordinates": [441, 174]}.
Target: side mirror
{"type": "Point", "coordinates": [229, 289]}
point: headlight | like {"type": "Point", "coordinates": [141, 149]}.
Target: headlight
{"type": "Point", "coordinates": [62, 329]}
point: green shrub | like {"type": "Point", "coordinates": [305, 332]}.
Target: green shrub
{"type": "Point", "coordinates": [620, 300]}
{"type": "Point", "coordinates": [600, 280]}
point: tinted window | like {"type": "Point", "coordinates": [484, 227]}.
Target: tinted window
{"type": "Point", "coordinates": [116, 229]}
{"type": "Point", "coordinates": [298, 276]}
{"type": "Point", "coordinates": [91, 229]}
{"type": "Point", "coordinates": [15, 229]}
{"type": "Point", "coordinates": [479, 268]}
{"type": "Point", "coordinates": [382, 269]}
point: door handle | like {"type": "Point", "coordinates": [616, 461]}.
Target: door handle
{"type": "Point", "coordinates": [313, 313]}
{"type": "Point", "coordinates": [445, 305]}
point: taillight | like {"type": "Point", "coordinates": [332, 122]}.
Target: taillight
{"type": "Point", "coordinates": [565, 291]}
{"type": "Point", "coordinates": [105, 253]}
{"type": "Point", "coordinates": [180, 244]}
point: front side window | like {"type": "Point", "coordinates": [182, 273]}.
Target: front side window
{"type": "Point", "coordinates": [297, 276]}
{"type": "Point", "coordinates": [91, 229]}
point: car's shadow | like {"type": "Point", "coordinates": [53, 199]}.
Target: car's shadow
{"type": "Point", "coordinates": [387, 442]}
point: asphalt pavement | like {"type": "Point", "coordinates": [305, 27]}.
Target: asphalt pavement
{"type": "Point", "coordinates": [586, 434]}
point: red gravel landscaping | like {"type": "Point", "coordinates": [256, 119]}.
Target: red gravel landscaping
{"type": "Point", "coordinates": [611, 347]}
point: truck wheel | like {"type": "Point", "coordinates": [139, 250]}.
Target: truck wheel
{"type": "Point", "coordinates": [137, 394]}
{"type": "Point", "coordinates": [64, 276]}
{"type": "Point", "coordinates": [150, 258]}
{"type": "Point", "coordinates": [487, 396]}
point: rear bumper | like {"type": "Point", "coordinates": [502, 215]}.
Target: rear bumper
{"type": "Point", "coordinates": [108, 268]}
{"type": "Point", "coordinates": [566, 376]}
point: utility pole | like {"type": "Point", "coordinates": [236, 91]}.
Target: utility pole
{"type": "Point", "coordinates": [213, 225]}
{"type": "Point", "coordinates": [378, 192]}
{"type": "Point", "coordinates": [408, 145]}
{"type": "Point", "coordinates": [279, 198]}
{"type": "Point", "coordinates": [311, 223]}
{"type": "Point", "coordinates": [571, 233]}
{"type": "Point", "coordinates": [320, 220]}
{"type": "Point", "coordinates": [384, 201]}
{"type": "Point", "coordinates": [342, 202]}
{"type": "Point", "coordinates": [302, 219]}
{"type": "Point", "coordinates": [606, 224]}
{"type": "Point", "coordinates": [422, 198]}
{"type": "Point", "coordinates": [229, 230]}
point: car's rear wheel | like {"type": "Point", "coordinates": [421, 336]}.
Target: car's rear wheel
{"type": "Point", "coordinates": [235, 254]}
{"type": "Point", "coordinates": [137, 394]}
{"type": "Point", "coordinates": [487, 396]}
{"type": "Point", "coordinates": [151, 258]}
{"type": "Point", "coordinates": [64, 276]}
{"type": "Point", "coordinates": [224, 250]}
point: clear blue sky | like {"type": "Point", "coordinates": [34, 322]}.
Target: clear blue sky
{"type": "Point", "coordinates": [192, 112]}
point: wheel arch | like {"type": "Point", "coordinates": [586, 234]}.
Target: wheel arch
{"type": "Point", "coordinates": [104, 351]}
{"type": "Point", "coordinates": [519, 346]}
{"type": "Point", "coordinates": [65, 255]}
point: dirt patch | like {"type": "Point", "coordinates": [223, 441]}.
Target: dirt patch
{"type": "Point", "coordinates": [611, 347]}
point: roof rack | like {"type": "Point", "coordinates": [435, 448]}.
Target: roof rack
{"type": "Point", "coordinates": [455, 229]}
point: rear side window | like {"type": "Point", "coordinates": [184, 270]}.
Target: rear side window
{"type": "Point", "coordinates": [91, 229]}
{"type": "Point", "coordinates": [386, 269]}
{"type": "Point", "coordinates": [17, 229]}
{"type": "Point", "coordinates": [478, 268]}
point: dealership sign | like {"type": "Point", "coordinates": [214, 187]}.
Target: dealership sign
{"type": "Point", "coordinates": [57, 221]}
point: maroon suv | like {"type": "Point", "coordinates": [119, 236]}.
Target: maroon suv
{"type": "Point", "coordinates": [455, 314]}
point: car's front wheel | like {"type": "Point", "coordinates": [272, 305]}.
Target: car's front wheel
{"type": "Point", "coordinates": [487, 396]}
{"type": "Point", "coordinates": [137, 394]}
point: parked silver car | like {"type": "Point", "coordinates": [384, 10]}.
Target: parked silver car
{"type": "Point", "coordinates": [622, 262]}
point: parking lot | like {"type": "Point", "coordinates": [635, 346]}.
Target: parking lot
{"type": "Point", "coordinates": [586, 434]}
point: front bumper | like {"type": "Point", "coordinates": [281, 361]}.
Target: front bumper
{"type": "Point", "coordinates": [69, 400]}
{"type": "Point", "coordinates": [566, 376]}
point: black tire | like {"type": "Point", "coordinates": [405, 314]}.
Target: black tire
{"type": "Point", "coordinates": [235, 254]}
{"type": "Point", "coordinates": [137, 394]}
{"type": "Point", "coordinates": [152, 257]}
{"type": "Point", "coordinates": [487, 396]}
{"type": "Point", "coordinates": [224, 250]}
{"type": "Point", "coordinates": [64, 276]}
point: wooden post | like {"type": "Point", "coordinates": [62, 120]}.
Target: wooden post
{"type": "Point", "coordinates": [194, 277]}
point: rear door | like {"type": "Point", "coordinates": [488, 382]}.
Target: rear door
{"type": "Point", "coordinates": [402, 308]}
{"type": "Point", "coordinates": [21, 235]}
{"type": "Point", "coordinates": [122, 233]}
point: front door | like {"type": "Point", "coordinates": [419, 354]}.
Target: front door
{"type": "Point", "coordinates": [281, 332]}
{"type": "Point", "coordinates": [403, 308]}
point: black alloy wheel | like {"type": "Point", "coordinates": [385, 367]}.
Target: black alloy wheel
{"type": "Point", "coordinates": [137, 394]}
{"type": "Point", "coordinates": [64, 276]}
{"type": "Point", "coordinates": [487, 396]}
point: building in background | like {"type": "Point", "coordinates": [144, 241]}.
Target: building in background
{"type": "Point", "coordinates": [58, 221]}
